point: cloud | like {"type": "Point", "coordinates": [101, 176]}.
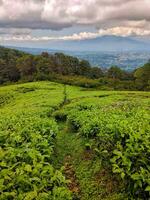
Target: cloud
{"type": "Point", "coordinates": [15, 31]}
{"type": "Point", "coordinates": [116, 31]}
{"type": "Point", "coordinates": [124, 17]}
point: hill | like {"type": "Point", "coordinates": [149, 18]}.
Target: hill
{"type": "Point", "coordinates": [100, 44]}
{"type": "Point", "coordinates": [126, 52]}
{"type": "Point", "coordinates": [126, 60]}
{"type": "Point", "coordinates": [66, 142]}
{"type": "Point", "coordinates": [107, 43]}
{"type": "Point", "coordinates": [20, 66]}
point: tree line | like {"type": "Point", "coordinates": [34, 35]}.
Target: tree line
{"type": "Point", "coordinates": [19, 66]}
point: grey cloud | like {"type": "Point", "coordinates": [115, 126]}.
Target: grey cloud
{"type": "Point", "coordinates": [59, 14]}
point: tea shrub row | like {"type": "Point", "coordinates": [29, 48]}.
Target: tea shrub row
{"type": "Point", "coordinates": [121, 133]}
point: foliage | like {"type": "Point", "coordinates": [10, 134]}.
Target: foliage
{"type": "Point", "coordinates": [115, 73]}
{"type": "Point", "coordinates": [16, 65]}
{"type": "Point", "coordinates": [121, 133]}
{"type": "Point", "coordinates": [142, 76]}
{"type": "Point", "coordinates": [114, 124]}
{"type": "Point", "coordinates": [27, 139]}
{"type": "Point", "coordinates": [8, 70]}
{"type": "Point", "coordinates": [77, 80]}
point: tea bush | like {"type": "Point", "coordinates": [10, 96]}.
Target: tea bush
{"type": "Point", "coordinates": [121, 130]}
{"type": "Point", "coordinates": [27, 139]}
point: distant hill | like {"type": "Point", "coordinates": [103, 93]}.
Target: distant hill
{"type": "Point", "coordinates": [127, 60]}
{"type": "Point", "coordinates": [104, 43]}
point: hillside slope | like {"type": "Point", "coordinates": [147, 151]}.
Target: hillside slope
{"type": "Point", "coordinates": [95, 135]}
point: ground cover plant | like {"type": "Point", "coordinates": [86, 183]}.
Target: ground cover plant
{"type": "Point", "coordinates": [119, 126]}
{"type": "Point", "coordinates": [27, 137]}
{"type": "Point", "coordinates": [66, 142]}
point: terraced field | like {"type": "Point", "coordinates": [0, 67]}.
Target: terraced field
{"type": "Point", "coordinates": [63, 142]}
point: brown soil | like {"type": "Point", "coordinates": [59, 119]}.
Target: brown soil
{"type": "Point", "coordinates": [88, 155]}
{"type": "Point", "coordinates": [108, 181]}
{"type": "Point", "coordinates": [73, 184]}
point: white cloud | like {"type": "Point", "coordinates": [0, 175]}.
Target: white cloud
{"type": "Point", "coordinates": [116, 17]}
{"type": "Point", "coordinates": [116, 31]}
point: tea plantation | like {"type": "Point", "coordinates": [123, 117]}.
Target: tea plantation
{"type": "Point", "coordinates": [64, 142]}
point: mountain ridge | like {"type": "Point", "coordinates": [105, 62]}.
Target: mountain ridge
{"type": "Point", "coordinates": [103, 43]}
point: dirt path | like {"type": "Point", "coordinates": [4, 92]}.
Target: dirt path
{"type": "Point", "coordinates": [68, 148]}
{"type": "Point", "coordinates": [88, 179]}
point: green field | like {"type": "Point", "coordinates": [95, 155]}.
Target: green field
{"type": "Point", "coordinates": [64, 142]}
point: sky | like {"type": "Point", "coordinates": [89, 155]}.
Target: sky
{"type": "Point", "coordinates": [37, 22]}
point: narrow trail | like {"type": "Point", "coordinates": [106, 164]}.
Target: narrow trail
{"type": "Point", "coordinates": [67, 150]}
{"type": "Point", "coordinates": [88, 180]}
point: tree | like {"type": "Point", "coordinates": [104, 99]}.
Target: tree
{"type": "Point", "coordinates": [96, 73]}
{"type": "Point", "coordinates": [8, 71]}
{"type": "Point", "coordinates": [3, 71]}
{"type": "Point", "coordinates": [84, 68]}
{"type": "Point", "coordinates": [43, 65]}
{"type": "Point", "coordinates": [26, 65]}
{"type": "Point", "coordinates": [66, 65]}
{"type": "Point", "coordinates": [142, 77]}
{"type": "Point", "coordinates": [115, 73]}
{"type": "Point", "coordinates": [45, 54]}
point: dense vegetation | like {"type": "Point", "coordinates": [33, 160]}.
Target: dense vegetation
{"type": "Point", "coordinates": [65, 142]}
{"type": "Point", "coordinates": [16, 65]}
{"type": "Point", "coordinates": [120, 131]}
{"type": "Point", "coordinates": [27, 137]}
{"type": "Point", "coordinates": [72, 142]}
